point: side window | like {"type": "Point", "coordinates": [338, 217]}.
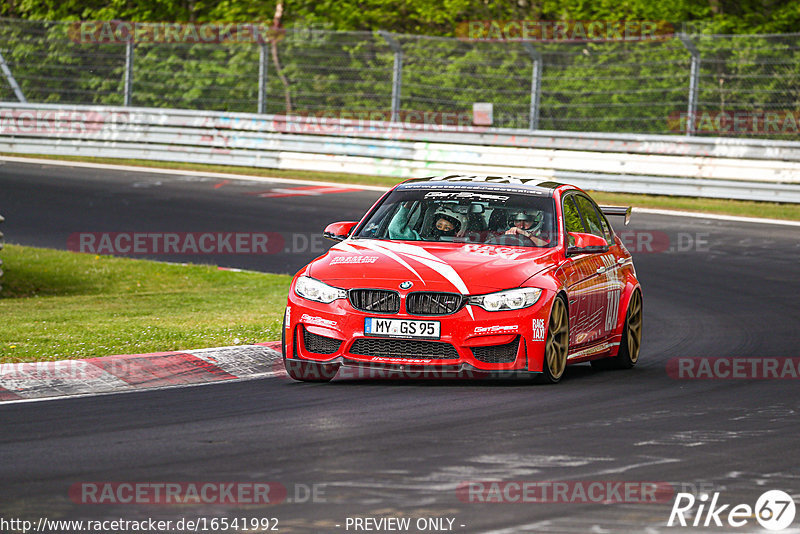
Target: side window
{"type": "Point", "coordinates": [590, 216]}
{"type": "Point", "coordinates": [607, 232]}
{"type": "Point", "coordinates": [572, 219]}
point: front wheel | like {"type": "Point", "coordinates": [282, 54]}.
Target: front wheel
{"type": "Point", "coordinates": [310, 371]}
{"type": "Point", "coordinates": [306, 371]}
{"type": "Point", "coordinates": [556, 343]}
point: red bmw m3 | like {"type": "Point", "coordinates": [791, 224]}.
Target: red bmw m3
{"type": "Point", "coordinates": [468, 276]}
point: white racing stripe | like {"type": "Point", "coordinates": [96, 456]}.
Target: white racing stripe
{"type": "Point", "coordinates": [392, 255]}
{"type": "Point", "coordinates": [429, 260]}
{"type": "Point", "coordinates": [424, 257]}
{"type": "Point", "coordinates": [344, 247]}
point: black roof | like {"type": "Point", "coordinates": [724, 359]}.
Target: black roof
{"type": "Point", "coordinates": [517, 183]}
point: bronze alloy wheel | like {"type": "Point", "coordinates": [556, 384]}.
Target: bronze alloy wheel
{"type": "Point", "coordinates": [557, 343]}
{"type": "Point", "coordinates": [629, 346]}
{"type": "Point", "coordinates": [629, 351]}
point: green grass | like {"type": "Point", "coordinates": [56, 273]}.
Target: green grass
{"type": "Point", "coordinates": [65, 305]}
{"type": "Point", "coordinates": [771, 210]}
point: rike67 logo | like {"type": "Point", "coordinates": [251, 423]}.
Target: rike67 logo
{"type": "Point", "coordinates": [774, 510]}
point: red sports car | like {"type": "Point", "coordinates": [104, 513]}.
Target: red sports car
{"type": "Point", "coordinates": [468, 276]}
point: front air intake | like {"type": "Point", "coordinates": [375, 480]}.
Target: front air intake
{"type": "Point", "coordinates": [374, 300]}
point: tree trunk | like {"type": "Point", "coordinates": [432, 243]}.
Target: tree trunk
{"type": "Point", "coordinates": [276, 24]}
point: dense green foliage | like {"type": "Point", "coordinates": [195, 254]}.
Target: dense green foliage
{"type": "Point", "coordinates": [431, 17]}
{"type": "Point", "coordinates": [333, 60]}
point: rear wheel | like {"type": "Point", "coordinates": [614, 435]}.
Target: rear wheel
{"type": "Point", "coordinates": [556, 343]}
{"type": "Point", "coordinates": [631, 341]}
{"type": "Point", "coordinates": [631, 334]}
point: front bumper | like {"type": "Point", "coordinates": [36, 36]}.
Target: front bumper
{"type": "Point", "coordinates": [359, 370]}
{"type": "Point", "coordinates": [472, 340]}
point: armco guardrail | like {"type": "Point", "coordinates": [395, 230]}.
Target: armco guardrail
{"type": "Point", "coordinates": [668, 165]}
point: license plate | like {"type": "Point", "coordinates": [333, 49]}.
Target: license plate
{"type": "Point", "coordinates": [402, 328]}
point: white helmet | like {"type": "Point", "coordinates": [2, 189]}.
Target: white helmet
{"type": "Point", "coordinates": [458, 220]}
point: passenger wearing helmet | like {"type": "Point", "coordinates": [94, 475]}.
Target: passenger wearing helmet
{"type": "Point", "coordinates": [446, 226]}
{"type": "Point", "coordinates": [440, 221]}
{"type": "Point", "coordinates": [447, 223]}
{"type": "Point", "coordinates": [528, 226]}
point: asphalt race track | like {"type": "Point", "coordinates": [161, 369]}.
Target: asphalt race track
{"type": "Point", "coordinates": [387, 448]}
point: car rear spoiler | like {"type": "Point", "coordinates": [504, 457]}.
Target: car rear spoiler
{"type": "Point", "coordinates": [617, 210]}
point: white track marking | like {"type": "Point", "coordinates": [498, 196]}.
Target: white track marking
{"type": "Point", "coordinates": [267, 179]}
{"type": "Point", "coordinates": [185, 172]}
{"type": "Point", "coordinates": [731, 218]}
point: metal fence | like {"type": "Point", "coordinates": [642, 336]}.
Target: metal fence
{"type": "Point", "coordinates": [695, 84]}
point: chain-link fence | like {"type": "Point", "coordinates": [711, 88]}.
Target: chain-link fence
{"type": "Point", "coordinates": [738, 85]}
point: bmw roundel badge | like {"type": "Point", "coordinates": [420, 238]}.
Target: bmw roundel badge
{"type": "Point", "coordinates": [406, 285]}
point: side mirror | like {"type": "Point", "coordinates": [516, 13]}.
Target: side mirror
{"type": "Point", "coordinates": [339, 231]}
{"type": "Point", "coordinates": [580, 243]}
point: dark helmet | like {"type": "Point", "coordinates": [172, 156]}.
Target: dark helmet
{"type": "Point", "coordinates": [535, 219]}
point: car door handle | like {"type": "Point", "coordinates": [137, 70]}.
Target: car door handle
{"type": "Point", "coordinates": [622, 260]}
{"type": "Point", "coordinates": [601, 270]}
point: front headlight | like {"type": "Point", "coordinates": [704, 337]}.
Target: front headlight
{"type": "Point", "coordinates": [312, 289]}
{"type": "Point", "coordinates": [512, 299]}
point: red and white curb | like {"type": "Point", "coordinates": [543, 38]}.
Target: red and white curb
{"type": "Point", "coordinates": [112, 374]}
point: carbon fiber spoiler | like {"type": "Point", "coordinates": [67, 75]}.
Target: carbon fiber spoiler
{"type": "Point", "coordinates": [617, 211]}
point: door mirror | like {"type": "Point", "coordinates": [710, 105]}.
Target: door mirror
{"type": "Point", "coordinates": [339, 231]}
{"type": "Point", "coordinates": [580, 243]}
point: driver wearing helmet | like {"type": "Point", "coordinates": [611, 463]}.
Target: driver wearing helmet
{"type": "Point", "coordinates": [528, 226]}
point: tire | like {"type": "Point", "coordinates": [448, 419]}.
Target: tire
{"type": "Point", "coordinates": [556, 343]}
{"type": "Point", "coordinates": [631, 342]}
{"type": "Point", "coordinates": [310, 371]}
{"type": "Point", "coordinates": [283, 338]}
{"type": "Point", "coordinates": [306, 371]}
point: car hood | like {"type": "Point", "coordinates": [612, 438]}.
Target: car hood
{"type": "Point", "coordinates": [453, 267]}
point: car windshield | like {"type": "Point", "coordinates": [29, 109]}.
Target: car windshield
{"type": "Point", "coordinates": [464, 215]}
